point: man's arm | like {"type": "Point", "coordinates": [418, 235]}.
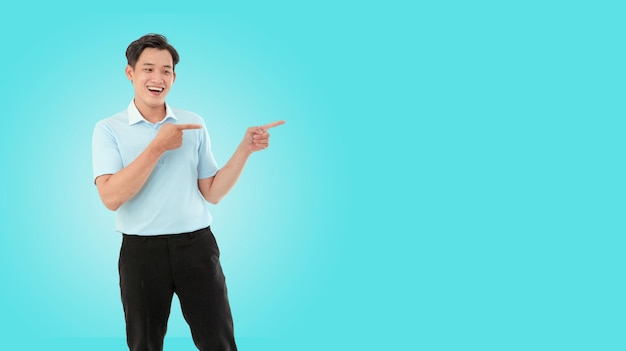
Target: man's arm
{"type": "Point", "coordinates": [116, 189]}
{"type": "Point", "coordinates": [215, 188]}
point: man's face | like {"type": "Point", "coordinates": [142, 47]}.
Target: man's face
{"type": "Point", "coordinates": [152, 77]}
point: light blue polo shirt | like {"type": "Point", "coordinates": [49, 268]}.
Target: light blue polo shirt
{"type": "Point", "coordinates": [169, 202]}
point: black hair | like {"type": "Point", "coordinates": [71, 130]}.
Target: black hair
{"type": "Point", "coordinates": [152, 40]}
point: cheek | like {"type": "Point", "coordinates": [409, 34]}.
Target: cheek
{"type": "Point", "coordinates": [139, 81]}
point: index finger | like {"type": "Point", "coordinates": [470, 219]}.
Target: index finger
{"type": "Point", "coordinates": [188, 126]}
{"type": "Point", "coordinates": [273, 124]}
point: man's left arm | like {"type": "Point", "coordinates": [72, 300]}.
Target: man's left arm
{"type": "Point", "coordinates": [214, 188]}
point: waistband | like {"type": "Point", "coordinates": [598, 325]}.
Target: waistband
{"type": "Point", "coordinates": [168, 236]}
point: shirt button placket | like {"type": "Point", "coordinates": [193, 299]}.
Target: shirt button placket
{"type": "Point", "coordinates": [155, 131]}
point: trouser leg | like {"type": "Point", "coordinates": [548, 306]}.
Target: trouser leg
{"type": "Point", "coordinates": [201, 288]}
{"type": "Point", "coordinates": [147, 289]}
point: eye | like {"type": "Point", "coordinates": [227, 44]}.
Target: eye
{"type": "Point", "coordinates": [148, 69]}
{"type": "Point", "coordinates": [167, 72]}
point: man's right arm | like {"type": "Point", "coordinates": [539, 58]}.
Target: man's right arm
{"type": "Point", "coordinates": [116, 189]}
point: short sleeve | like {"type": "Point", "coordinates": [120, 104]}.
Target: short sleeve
{"type": "Point", "coordinates": [207, 167]}
{"type": "Point", "coordinates": [106, 156]}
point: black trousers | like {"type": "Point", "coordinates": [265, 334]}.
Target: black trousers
{"type": "Point", "coordinates": [153, 268]}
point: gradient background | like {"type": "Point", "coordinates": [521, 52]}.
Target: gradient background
{"type": "Point", "coordinates": [450, 176]}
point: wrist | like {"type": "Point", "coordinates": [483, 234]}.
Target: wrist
{"type": "Point", "coordinates": [244, 149]}
{"type": "Point", "coordinates": [156, 149]}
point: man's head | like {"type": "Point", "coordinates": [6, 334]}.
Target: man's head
{"type": "Point", "coordinates": [155, 41]}
{"type": "Point", "coordinates": [151, 62]}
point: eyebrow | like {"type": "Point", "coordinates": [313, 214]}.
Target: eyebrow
{"type": "Point", "coordinates": [152, 64]}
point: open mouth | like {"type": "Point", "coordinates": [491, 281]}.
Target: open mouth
{"type": "Point", "coordinates": [156, 90]}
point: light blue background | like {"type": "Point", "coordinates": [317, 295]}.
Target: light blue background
{"type": "Point", "coordinates": [450, 176]}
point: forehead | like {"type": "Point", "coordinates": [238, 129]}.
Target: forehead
{"type": "Point", "coordinates": [159, 57]}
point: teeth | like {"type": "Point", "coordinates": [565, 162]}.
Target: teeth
{"type": "Point", "coordinates": [155, 89]}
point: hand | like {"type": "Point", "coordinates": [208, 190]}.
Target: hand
{"type": "Point", "coordinates": [170, 135]}
{"type": "Point", "coordinates": [257, 138]}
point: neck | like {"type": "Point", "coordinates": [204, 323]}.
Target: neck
{"type": "Point", "coordinates": [152, 114]}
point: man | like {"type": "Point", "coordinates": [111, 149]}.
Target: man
{"type": "Point", "coordinates": [154, 166]}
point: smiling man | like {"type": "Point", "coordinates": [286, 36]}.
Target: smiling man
{"type": "Point", "coordinates": [154, 166]}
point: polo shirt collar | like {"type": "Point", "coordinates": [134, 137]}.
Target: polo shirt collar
{"type": "Point", "coordinates": [134, 116]}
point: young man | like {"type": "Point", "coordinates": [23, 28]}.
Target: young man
{"type": "Point", "coordinates": [154, 166]}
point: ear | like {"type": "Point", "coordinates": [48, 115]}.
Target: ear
{"type": "Point", "coordinates": [129, 73]}
{"type": "Point", "coordinates": [173, 80]}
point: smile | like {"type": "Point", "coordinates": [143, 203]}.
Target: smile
{"type": "Point", "coordinates": [156, 89]}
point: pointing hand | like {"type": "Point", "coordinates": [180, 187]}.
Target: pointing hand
{"type": "Point", "coordinates": [257, 138]}
{"type": "Point", "coordinates": [170, 136]}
